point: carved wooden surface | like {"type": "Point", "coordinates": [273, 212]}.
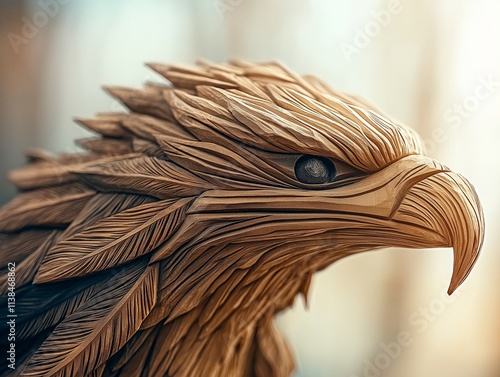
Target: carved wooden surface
{"type": "Point", "coordinates": [170, 244]}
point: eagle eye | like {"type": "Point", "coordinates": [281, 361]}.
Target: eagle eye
{"type": "Point", "coordinates": [314, 170]}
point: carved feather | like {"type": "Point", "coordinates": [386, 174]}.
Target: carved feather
{"type": "Point", "coordinates": [14, 247]}
{"type": "Point", "coordinates": [44, 316]}
{"type": "Point", "coordinates": [148, 102]}
{"type": "Point", "coordinates": [27, 269]}
{"type": "Point", "coordinates": [109, 125]}
{"type": "Point", "coordinates": [188, 78]}
{"type": "Point", "coordinates": [100, 327]}
{"type": "Point", "coordinates": [58, 205]}
{"type": "Point", "coordinates": [148, 148]}
{"type": "Point", "coordinates": [105, 146]}
{"type": "Point", "coordinates": [114, 240]}
{"type": "Point", "coordinates": [143, 175]}
{"type": "Point", "coordinates": [52, 173]}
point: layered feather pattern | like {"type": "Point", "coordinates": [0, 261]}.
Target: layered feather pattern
{"type": "Point", "coordinates": [145, 254]}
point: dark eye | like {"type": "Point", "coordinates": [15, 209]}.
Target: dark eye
{"type": "Point", "coordinates": [315, 170]}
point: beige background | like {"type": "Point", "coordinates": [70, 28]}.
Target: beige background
{"type": "Point", "coordinates": [430, 56]}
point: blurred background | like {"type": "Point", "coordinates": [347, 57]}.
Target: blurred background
{"type": "Point", "coordinates": [434, 64]}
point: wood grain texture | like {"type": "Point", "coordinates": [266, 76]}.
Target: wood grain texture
{"type": "Point", "coordinates": [56, 205]}
{"type": "Point", "coordinates": [114, 240]}
{"type": "Point", "coordinates": [167, 247]}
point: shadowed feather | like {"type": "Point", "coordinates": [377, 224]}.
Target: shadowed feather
{"type": "Point", "coordinates": [99, 327]}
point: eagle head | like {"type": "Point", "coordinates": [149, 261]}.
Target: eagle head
{"type": "Point", "coordinates": [196, 216]}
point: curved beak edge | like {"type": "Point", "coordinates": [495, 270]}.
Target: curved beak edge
{"type": "Point", "coordinates": [447, 207]}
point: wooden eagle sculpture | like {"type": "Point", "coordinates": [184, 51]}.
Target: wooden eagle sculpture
{"type": "Point", "coordinates": [167, 248]}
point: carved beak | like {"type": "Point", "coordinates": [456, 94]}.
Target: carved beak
{"type": "Point", "coordinates": [447, 203]}
{"type": "Point", "coordinates": [414, 202]}
{"type": "Point", "coordinates": [427, 206]}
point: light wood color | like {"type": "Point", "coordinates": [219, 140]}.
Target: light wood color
{"type": "Point", "coordinates": [170, 244]}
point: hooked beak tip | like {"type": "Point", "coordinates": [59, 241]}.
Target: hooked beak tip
{"type": "Point", "coordinates": [465, 226]}
{"type": "Point", "coordinates": [447, 204]}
